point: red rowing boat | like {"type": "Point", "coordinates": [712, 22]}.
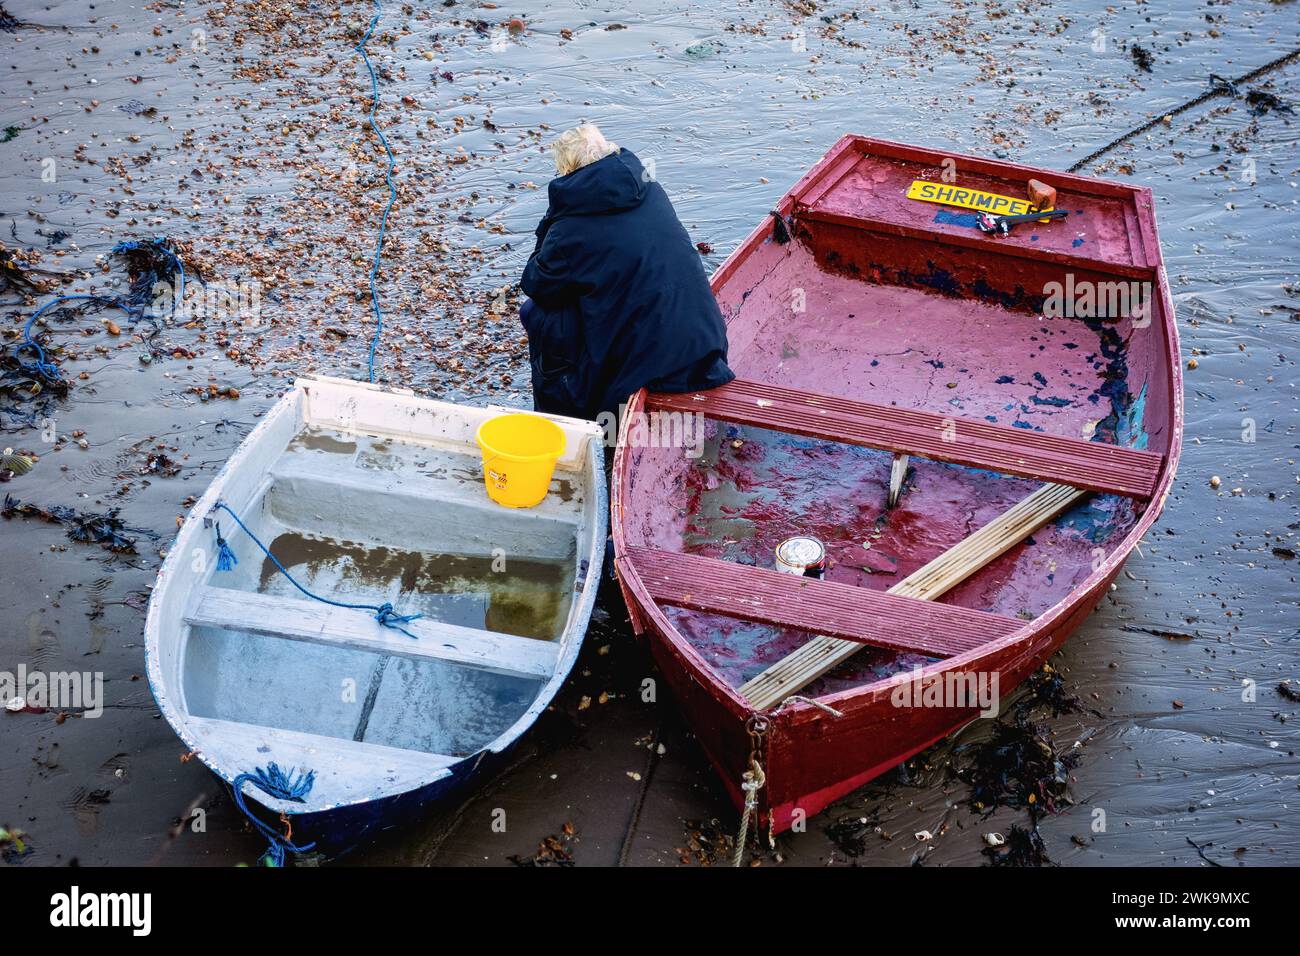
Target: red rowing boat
{"type": "Point", "coordinates": [1017, 394]}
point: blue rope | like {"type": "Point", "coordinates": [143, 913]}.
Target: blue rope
{"type": "Point", "coordinates": [281, 786]}
{"type": "Point", "coordinates": [42, 366]}
{"type": "Point", "coordinates": [226, 559]}
{"type": "Point", "coordinates": [384, 613]}
{"type": "Point", "coordinates": [388, 178]}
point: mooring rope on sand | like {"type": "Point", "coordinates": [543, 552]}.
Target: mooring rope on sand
{"type": "Point", "coordinates": [388, 179]}
{"type": "Point", "coordinates": [1218, 87]}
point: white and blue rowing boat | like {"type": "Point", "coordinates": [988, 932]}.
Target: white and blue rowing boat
{"type": "Point", "coordinates": [450, 622]}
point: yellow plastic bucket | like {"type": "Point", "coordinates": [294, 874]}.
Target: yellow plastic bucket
{"type": "Point", "coordinates": [519, 456]}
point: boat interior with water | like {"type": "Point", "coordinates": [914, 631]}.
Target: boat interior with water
{"type": "Point", "coordinates": [890, 339]}
{"type": "Point", "coordinates": [373, 498]}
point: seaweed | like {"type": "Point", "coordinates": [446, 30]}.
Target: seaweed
{"type": "Point", "coordinates": [850, 833]}
{"type": "Point", "coordinates": [150, 262]}
{"type": "Point", "coordinates": [1261, 101]}
{"type": "Point", "coordinates": [22, 276]}
{"type": "Point", "coordinates": [1019, 768]}
{"type": "Point", "coordinates": [106, 529]}
{"type": "Point", "coordinates": [1023, 848]}
{"type": "Point", "coordinates": [8, 22]}
{"type": "Point", "coordinates": [19, 384]}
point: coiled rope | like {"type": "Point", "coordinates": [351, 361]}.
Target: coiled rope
{"type": "Point", "coordinates": [1218, 87]}
{"type": "Point", "coordinates": [279, 785]}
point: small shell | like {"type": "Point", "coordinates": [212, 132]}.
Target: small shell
{"type": "Point", "coordinates": [923, 836]}
{"type": "Point", "coordinates": [995, 839]}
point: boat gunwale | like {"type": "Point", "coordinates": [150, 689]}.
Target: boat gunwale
{"type": "Point", "coordinates": [293, 404]}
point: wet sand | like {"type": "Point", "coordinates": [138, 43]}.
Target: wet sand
{"type": "Point", "coordinates": [239, 129]}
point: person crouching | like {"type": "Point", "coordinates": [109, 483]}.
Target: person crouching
{"type": "Point", "coordinates": [617, 296]}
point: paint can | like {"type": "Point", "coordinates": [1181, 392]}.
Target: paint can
{"type": "Point", "coordinates": [801, 555]}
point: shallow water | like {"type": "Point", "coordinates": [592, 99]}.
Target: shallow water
{"type": "Point", "coordinates": [527, 597]}
{"type": "Point", "coordinates": [255, 153]}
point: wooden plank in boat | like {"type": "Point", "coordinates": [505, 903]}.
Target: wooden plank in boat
{"type": "Point", "coordinates": [1094, 466]}
{"type": "Point", "coordinates": [800, 668]}
{"type": "Point", "coordinates": [302, 620]}
{"type": "Point", "coordinates": [856, 614]}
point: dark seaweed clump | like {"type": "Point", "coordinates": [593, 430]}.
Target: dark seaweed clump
{"type": "Point", "coordinates": [106, 529]}
{"type": "Point", "coordinates": [1019, 767]}
{"type": "Point", "coordinates": [849, 834]}
{"type": "Point", "coordinates": [8, 22]}
{"type": "Point", "coordinates": [1023, 848]}
{"type": "Point", "coordinates": [148, 263]}
{"type": "Point", "coordinates": [1142, 57]}
{"type": "Point", "coordinates": [1261, 101]}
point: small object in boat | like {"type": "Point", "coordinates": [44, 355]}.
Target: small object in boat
{"type": "Point", "coordinates": [1001, 225]}
{"type": "Point", "coordinates": [897, 472]}
{"type": "Point", "coordinates": [802, 556]}
{"type": "Point", "coordinates": [1040, 194]}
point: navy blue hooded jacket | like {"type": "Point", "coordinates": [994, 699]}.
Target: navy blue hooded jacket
{"type": "Point", "coordinates": [620, 297]}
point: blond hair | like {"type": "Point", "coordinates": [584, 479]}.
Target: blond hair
{"type": "Point", "coordinates": [580, 146]}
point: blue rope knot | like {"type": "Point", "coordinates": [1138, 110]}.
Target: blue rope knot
{"type": "Point", "coordinates": [388, 617]}
{"type": "Point", "coordinates": [278, 785]}
{"type": "Point", "coordinates": [226, 559]}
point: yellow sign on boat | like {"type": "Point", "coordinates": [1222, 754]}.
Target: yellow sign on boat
{"type": "Point", "coordinates": [948, 195]}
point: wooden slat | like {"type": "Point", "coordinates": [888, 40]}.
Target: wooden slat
{"type": "Point", "coordinates": [856, 614]}
{"type": "Point", "coordinates": [963, 441]}
{"type": "Point", "coordinates": [800, 668]}
{"type": "Point", "coordinates": [302, 620]}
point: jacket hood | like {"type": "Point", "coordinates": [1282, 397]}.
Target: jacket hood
{"type": "Point", "coordinates": [612, 184]}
